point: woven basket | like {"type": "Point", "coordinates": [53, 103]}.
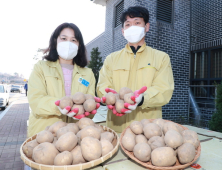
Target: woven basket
{"type": "Point", "coordinates": [149, 164]}
{"type": "Point", "coordinates": [86, 165]}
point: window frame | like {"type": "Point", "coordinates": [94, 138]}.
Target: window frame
{"type": "Point", "coordinates": [172, 15]}
{"type": "Point", "coordinates": [115, 13]}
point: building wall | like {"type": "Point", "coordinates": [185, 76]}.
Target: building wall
{"type": "Point", "coordinates": [173, 39]}
{"type": "Point", "coordinates": [206, 24]}
{"type": "Point", "coordinates": [97, 42]}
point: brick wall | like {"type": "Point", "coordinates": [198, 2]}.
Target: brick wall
{"type": "Point", "coordinates": [206, 24]}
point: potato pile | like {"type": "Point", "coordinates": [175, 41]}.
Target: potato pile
{"type": "Point", "coordinates": [160, 142]}
{"type": "Point", "coordinates": [69, 143]}
{"type": "Point", "coordinates": [124, 96]}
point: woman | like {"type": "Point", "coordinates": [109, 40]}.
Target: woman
{"type": "Point", "coordinates": [57, 77]}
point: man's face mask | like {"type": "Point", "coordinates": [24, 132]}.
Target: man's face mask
{"type": "Point", "coordinates": [134, 34]}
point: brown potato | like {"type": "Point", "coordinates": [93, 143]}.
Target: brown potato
{"type": "Point", "coordinates": [74, 126]}
{"type": "Point", "coordinates": [64, 130]}
{"type": "Point", "coordinates": [99, 128]}
{"type": "Point", "coordinates": [173, 139]}
{"type": "Point", "coordinates": [63, 158]}
{"type": "Point", "coordinates": [191, 137]}
{"type": "Point", "coordinates": [90, 131]}
{"type": "Point", "coordinates": [45, 153]}
{"type": "Point", "coordinates": [156, 142]}
{"type": "Point", "coordinates": [127, 98]}
{"type": "Point", "coordinates": [141, 139]}
{"type": "Point", "coordinates": [44, 136]}
{"type": "Point", "coordinates": [170, 126]}
{"type": "Point", "coordinates": [107, 136]}
{"type": "Point", "coordinates": [54, 141]}
{"type": "Point", "coordinates": [163, 156]}
{"type": "Point", "coordinates": [85, 122]}
{"type": "Point", "coordinates": [89, 105]}
{"type": "Point", "coordinates": [56, 126]}
{"type": "Point", "coordinates": [142, 151]}
{"type": "Point", "coordinates": [119, 105]}
{"type": "Point", "coordinates": [78, 98]}
{"type": "Point", "coordinates": [117, 96]}
{"type": "Point", "coordinates": [66, 142]}
{"type": "Point", "coordinates": [80, 107]}
{"type": "Point", "coordinates": [78, 135]}
{"type": "Point", "coordinates": [28, 148]}
{"type": "Point", "coordinates": [110, 98]}
{"type": "Point", "coordinates": [65, 101]}
{"type": "Point", "coordinates": [160, 122]}
{"type": "Point", "coordinates": [91, 148]}
{"type": "Point", "coordinates": [124, 91]}
{"type": "Point", "coordinates": [77, 155]}
{"type": "Point", "coordinates": [144, 122]}
{"type": "Point", "coordinates": [129, 142]}
{"type": "Point", "coordinates": [152, 129]}
{"type": "Point", "coordinates": [106, 146]}
{"type": "Point", "coordinates": [136, 127]}
{"type": "Point", "coordinates": [186, 153]}
{"type": "Point", "coordinates": [129, 131]}
{"type": "Point", "coordinates": [89, 96]}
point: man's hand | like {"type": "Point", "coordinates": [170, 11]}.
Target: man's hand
{"type": "Point", "coordinates": [103, 99]}
{"type": "Point", "coordinates": [97, 100]}
{"type": "Point", "coordinates": [137, 98]}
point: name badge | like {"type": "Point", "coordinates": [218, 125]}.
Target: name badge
{"type": "Point", "coordinates": [83, 82]}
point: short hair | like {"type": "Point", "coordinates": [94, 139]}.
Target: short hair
{"type": "Point", "coordinates": [135, 11]}
{"type": "Point", "coordinates": [52, 55]}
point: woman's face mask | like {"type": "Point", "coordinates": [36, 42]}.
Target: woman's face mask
{"type": "Point", "coordinates": [67, 50]}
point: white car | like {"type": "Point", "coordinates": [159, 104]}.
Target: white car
{"type": "Point", "coordinates": [4, 96]}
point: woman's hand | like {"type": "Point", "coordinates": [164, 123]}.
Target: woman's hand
{"type": "Point", "coordinates": [103, 99]}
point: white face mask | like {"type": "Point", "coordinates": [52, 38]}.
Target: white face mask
{"type": "Point", "coordinates": [67, 50]}
{"type": "Point", "coordinates": [134, 34]}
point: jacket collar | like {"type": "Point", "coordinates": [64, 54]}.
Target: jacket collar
{"type": "Point", "coordinates": [129, 50]}
{"type": "Point", "coordinates": [77, 68]}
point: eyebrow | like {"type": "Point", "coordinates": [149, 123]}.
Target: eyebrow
{"type": "Point", "coordinates": [66, 36]}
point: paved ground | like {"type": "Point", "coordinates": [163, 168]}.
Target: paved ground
{"type": "Point", "coordinates": [13, 131]}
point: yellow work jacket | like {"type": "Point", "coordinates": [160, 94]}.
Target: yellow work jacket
{"type": "Point", "coordinates": [149, 67]}
{"type": "Point", "coordinates": [45, 86]}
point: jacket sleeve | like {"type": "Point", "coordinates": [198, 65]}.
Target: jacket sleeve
{"type": "Point", "coordinates": [105, 78]}
{"type": "Point", "coordinates": [40, 102]}
{"type": "Point", "coordinates": [162, 87]}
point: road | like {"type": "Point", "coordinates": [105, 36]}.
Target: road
{"type": "Point", "coordinates": [13, 97]}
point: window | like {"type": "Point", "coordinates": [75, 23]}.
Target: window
{"type": "Point", "coordinates": [216, 63]}
{"type": "Point", "coordinates": [206, 71]}
{"type": "Point", "coordinates": [119, 10]}
{"type": "Point", "coordinates": [165, 10]}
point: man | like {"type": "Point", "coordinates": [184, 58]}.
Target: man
{"type": "Point", "coordinates": [135, 66]}
{"type": "Point", "coordinates": [26, 88]}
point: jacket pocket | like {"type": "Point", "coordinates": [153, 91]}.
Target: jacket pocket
{"type": "Point", "coordinates": [146, 75]}
{"type": "Point", "coordinates": [120, 78]}
{"type": "Point", "coordinates": [54, 85]}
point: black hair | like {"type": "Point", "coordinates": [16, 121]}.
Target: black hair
{"type": "Point", "coordinates": [135, 11]}
{"type": "Point", "coordinates": [52, 54]}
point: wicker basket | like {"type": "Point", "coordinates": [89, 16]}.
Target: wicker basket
{"type": "Point", "coordinates": [86, 165]}
{"type": "Point", "coordinates": [149, 165]}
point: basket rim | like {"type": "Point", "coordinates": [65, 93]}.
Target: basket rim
{"type": "Point", "coordinates": [90, 164]}
{"type": "Point", "coordinates": [131, 155]}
